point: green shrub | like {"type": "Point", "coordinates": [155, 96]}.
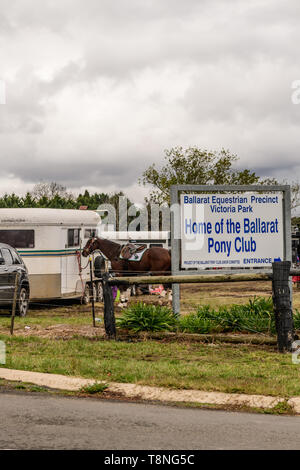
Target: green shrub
{"type": "Point", "coordinates": [296, 317]}
{"type": "Point", "coordinates": [145, 317]}
{"type": "Point", "coordinates": [255, 316]}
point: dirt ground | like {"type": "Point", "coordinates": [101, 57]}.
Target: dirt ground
{"type": "Point", "coordinates": [66, 319]}
{"type": "Point", "coordinates": [227, 293]}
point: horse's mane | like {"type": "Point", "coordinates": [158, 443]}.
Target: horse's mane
{"type": "Point", "coordinates": [109, 248]}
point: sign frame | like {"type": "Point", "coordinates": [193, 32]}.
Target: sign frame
{"type": "Point", "coordinates": [175, 191]}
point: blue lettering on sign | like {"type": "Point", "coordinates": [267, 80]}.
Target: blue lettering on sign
{"type": "Point", "coordinates": [243, 245]}
{"type": "Point", "coordinates": [197, 227]}
{"type": "Point", "coordinates": [257, 260]}
{"type": "Point", "coordinates": [219, 247]}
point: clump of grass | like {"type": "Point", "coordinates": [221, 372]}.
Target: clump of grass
{"type": "Point", "coordinates": [20, 386]}
{"type": "Point", "coordinates": [146, 317]}
{"type": "Point", "coordinates": [282, 408]}
{"type": "Point", "coordinates": [255, 316]}
{"type": "Point", "coordinates": [94, 388]}
{"type": "Point", "coordinates": [36, 388]}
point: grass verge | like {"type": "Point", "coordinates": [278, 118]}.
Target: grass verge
{"type": "Point", "coordinates": [211, 367]}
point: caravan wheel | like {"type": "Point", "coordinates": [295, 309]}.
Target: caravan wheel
{"type": "Point", "coordinates": [133, 290]}
{"type": "Point", "coordinates": [86, 295]}
{"type": "Point", "coordinates": [99, 290]}
{"type": "Point", "coordinates": [86, 299]}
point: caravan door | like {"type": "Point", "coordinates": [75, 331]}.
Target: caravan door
{"type": "Point", "coordinates": [69, 261]}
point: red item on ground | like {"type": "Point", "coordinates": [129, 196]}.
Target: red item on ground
{"type": "Point", "coordinates": [158, 290]}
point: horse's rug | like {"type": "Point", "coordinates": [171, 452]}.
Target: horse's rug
{"type": "Point", "coordinates": [132, 252]}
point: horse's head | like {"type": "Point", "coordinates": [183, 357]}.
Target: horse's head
{"type": "Point", "coordinates": [91, 245]}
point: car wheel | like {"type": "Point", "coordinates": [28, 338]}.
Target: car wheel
{"type": "Point", "coordinates": [23, 301]}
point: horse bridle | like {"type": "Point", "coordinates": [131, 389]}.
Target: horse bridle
{"type": "Point", "coordinates": [88, 248]}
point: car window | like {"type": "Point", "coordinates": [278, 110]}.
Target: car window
{"type": "Point", "coordinates": [16, 258]}
{"type": "Point", "coordinates": [7, 256]}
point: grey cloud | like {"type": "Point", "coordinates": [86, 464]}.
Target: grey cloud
{"type": "Point", "coordinates": [76, 174]}
{"type": "Point", "coordinates": [23, 111]}
{"type": "Point", "coordinates": [140, 76]}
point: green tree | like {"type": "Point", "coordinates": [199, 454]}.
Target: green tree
{"type": "Point", "coordinates": [28, 200]}
{"type": "Point", "coordinates": [10, 201]}
{"type": "Point", "coordinates": [196, 166]}
{"type": "Point", "coordinates": [295, 194]}
{"type": "Point", "coordinates": [54, 195]}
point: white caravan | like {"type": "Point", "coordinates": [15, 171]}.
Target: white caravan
{"type": "Point", "coordinates": [50, 241]}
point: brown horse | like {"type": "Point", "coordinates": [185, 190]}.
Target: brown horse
{"type": "Point", "coordinates": [155, 260]}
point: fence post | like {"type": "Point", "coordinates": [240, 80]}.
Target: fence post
{"type": "Point", "coordinates": [282, 306]}
{"type": "Point", "coordinates": [109, 314]}
{"type": "Point", "coordinates": [12, 322]}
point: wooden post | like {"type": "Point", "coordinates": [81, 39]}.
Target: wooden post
{"type": "Point", "coordinates": [109, 314]}
{"type": "Point", "coordinates": [282, 306]}
{"type": "Point", "coordinates": [13, 313]}
{"type": "Point", "coordinates": [92, 289]}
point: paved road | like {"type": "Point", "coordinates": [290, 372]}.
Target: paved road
{"type": "Point", "coordinates": [30, 421]}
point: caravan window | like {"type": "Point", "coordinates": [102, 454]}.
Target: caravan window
{"type": "Point", "coordinates": [18, 238]}
{"type": "Point", "coordinates": [73, 236]}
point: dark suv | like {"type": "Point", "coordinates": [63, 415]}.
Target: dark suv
{"type": "Point", "coordinates": [10, 264]}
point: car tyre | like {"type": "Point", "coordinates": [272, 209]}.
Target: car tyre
{"type": "Point", "coordinates": [23, 301]}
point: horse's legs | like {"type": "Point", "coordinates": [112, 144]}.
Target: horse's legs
{"type": "Point", "coordinates": [168, 289]}
{"type": "Point", "coordinates": [167, 292]}
{"type": "Point", "coordinates": [124, 297]}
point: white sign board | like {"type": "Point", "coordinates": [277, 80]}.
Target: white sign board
{"type": "Point", "coordinates": [231, 230]}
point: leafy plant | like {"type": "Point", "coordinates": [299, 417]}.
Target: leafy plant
{"type": "Point", "coordinates": [255, 316]}
{"type": "Point", "coordinates": [146, 317]}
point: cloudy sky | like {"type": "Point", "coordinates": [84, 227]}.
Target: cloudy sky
{"type": "Point", "coordinates": [97, 89]}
